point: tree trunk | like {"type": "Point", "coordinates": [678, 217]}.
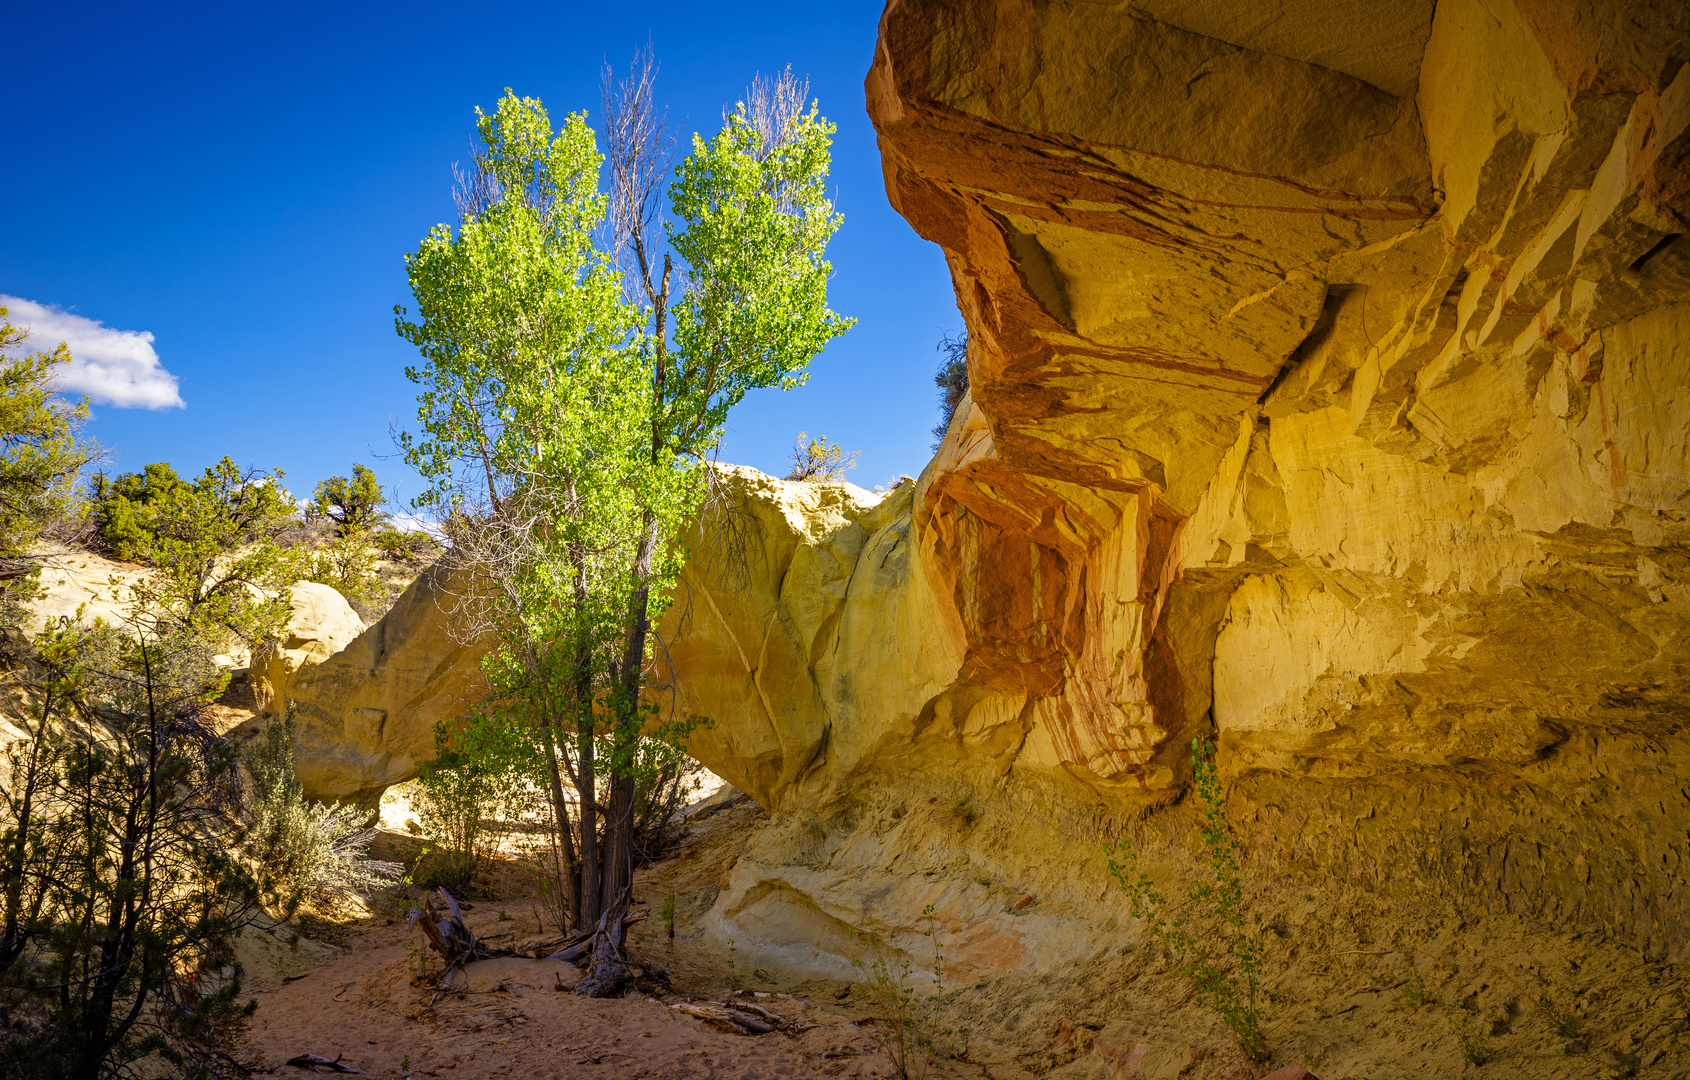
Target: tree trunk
{"type": "Point", "coordinates": [569, 873]}
{"type": "Point", "coordinates": [591, 900]}
{"type": "Point", "coordinates": [619, 829]}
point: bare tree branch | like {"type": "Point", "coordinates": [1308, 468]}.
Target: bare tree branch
{"type": "Point", "coordinates": [772, 106]}
{"type": "Point", "coordinates": [638, 147]}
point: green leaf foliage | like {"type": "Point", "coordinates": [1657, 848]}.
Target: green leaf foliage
{"type": "Point", "coordinates": [354, 506]}
{"type": "Point", "coordinates": [124, 896]}
{"type": "Point", "coordinates": [755, 221]}
{"type": "Point", "coordinates": [1219, 950]}
{"type": "Point", "coordinates": [217, 569]}
{"type": "Point", "coordinates": [564, 432]}
{"type": "Point", "coordinates": [41, 453]}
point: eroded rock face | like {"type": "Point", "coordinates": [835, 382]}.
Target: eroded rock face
{"type": "Point", "coordinates": [1330, 378]}
{"type": "Point", "coordinates": [1336, 391]}
{"type": "Point", "coordinates": [1331, 393]}
{"type": "Point", "coordinates": [320, 624]}
{"type": "Point", "coordinates": [366, 700]}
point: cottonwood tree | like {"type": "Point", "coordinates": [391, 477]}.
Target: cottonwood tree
{"type": "Point", "coordinates": [567, 428]}
{"type": "Point", "coordinates": [738, 303]}
{"type": "Point", "coordinates": [531, 402]}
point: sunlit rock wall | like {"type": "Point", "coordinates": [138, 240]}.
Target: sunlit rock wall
{"type": "Point", "coordinates": [1330, 393]}
{"type": "Point", "coordinates": [1330, 372]}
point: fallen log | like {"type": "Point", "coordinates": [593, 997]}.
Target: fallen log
{"type": "Point", "coordinates": [742, 1023]}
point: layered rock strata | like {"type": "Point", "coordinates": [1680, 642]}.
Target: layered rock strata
{"type": "Point", "coordinates": [1330, 373]}
{"type": "Point", "coordinates": [1337, 386]}
{"type": "Point", "coordinates": [1330, 394]}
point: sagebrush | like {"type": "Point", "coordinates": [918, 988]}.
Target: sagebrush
{"type": "Point", "coordinates": [303, 847]}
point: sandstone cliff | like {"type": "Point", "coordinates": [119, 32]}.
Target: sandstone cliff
{"type": "Point", "coordinates": [1330, 394]}
{"type": "Point", "coordinates": [366, 701]}
{"type": "Point", "coordinates": [1333, 392]}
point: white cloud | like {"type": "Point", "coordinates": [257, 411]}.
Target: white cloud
{"type": "Point", "coordinates": [405, 521]}
{"type": "Point", "coordinates": [114, 367]}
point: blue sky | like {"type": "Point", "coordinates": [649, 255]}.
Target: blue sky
{"type": "Point", "coordinates": [243, 185]}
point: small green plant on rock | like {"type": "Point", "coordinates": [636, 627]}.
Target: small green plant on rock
{"type": "Point", "coordinates": [1475, 1048]}
{"type": "Point", "coordinates": [905, 1026]}
{"type": "Point", "coordinates": [1415, 991]}
{"type": "Point", "coordinates": [1221, 955]}
{"type": "Point", "coordinates": [965, 809]}
{"type": "Point", "coordinates": [1564, 1024]}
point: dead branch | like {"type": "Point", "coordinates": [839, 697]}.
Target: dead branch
{"type": "Point", "coordinates": [637, 149]}
{"type": "Point", "coordinates": [742, 1018]}
{"type": "Point", "coordinates": [447, 935]}
{"type": "Point", "coordinates": [321, 1064]}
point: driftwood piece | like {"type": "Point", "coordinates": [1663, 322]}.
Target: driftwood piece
{"type": "Point", "coordinates": [319, 1064]}
{"type": "Point", "coordinates": [447, 935]}
{"type": "Point", "coordinates": [732, 1019]}
{"type": "Point", "coordinates": [742, 1017]}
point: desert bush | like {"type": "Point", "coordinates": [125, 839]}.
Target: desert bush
{"type": "Point", "coordinates": [218, 571]}
{"type": "Point", "coordinates": [474, 780]}
{"type": "Point", "coordinates": [122, 893]}
{"type": "Point", "coordinates": [818, 459]}
{"type": "Point", "coordinates": [41, 455]}
{"type": "Point", "coordinates": [346, 562]}
{"type": "Point", "coordinates": [352, 506]}
{"type": "Point", "coordinates": [905, 1025]}
{"type": "Point", "coordinates": [1218, 951]}
{"type": "Point", "coordinates": [319, 850]}
{"type": "Point", "coordinates": [952, 381]}
{"type": "Point", "coordinates": [408, 547]}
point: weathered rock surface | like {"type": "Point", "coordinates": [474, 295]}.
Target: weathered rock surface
{"type": "Point", "coordinates": [1330, 394]}
{"type": "Point", "coordinates": [81, 585]}
{"type": "Point", "coordinates": [1339, 386]}
{"type": "Point", "coordinates": [366, 700]}
{"type": "Point", "coordinates": [320, 624]}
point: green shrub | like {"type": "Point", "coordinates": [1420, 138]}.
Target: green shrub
{"type": "Point", "coordinates": [1220, 954]}
{"type": "Point", "coordinates": [218, 571]}
{"type": "Point", "coordinates": [304, 847]}
{"type": "Point", "coordinates": [474, 780]}
{"type": "Point", "coordinates": [1476, 1049]}
{"type": "Point", "coordinates": [41, 453]}
{"type": "Point", "coordinates": [353, 506]}
{"type": "Point", "coordinates": [347, 564]}
{"type": "Point", "coordinates": [121, 507]}
{"type": "Point", "coordinates": [410, 547]}
{"type": "Point", "coordinates": [905, 1026]}
{"type": "Point", "coordinates": [122, 897]}
{"type": "Point", "coordinates": [952, 381]}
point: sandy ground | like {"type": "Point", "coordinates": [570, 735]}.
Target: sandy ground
{"type": "Point", "coordinates": [511, 1019]}
{"type": "Point", "coordinates": [1358, 987]}
{"type": "Point", "coordinates": [374, 1004]}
